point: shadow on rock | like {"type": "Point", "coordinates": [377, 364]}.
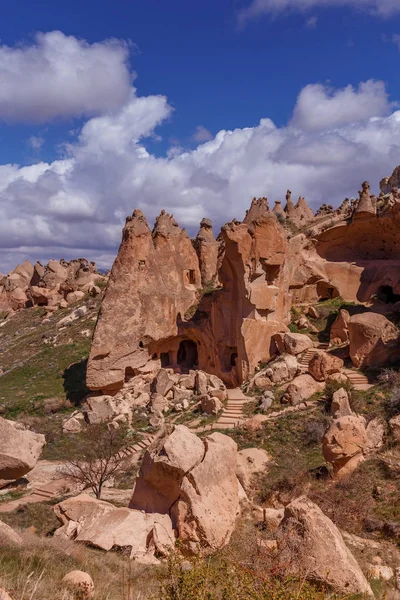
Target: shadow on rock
{"type": "Point", "coordinates": [75, 382]}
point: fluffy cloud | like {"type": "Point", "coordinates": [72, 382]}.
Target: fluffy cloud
{"type": "Point", "coordinates": [61, 76]}
{"type": "Point", "coordinates": [319, 108]}
{"type": "Point", "coordinates": [76, 205]}
{"type": "Point", "coordinates": [257, 8]}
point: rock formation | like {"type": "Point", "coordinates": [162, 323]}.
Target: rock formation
{"type": "Point", "coordinates": [207, 249]}
{"type": "Point", "coordinates": [193, 481]}
{"type": "Point", "coordinates": [154, 308]}
{"type": "Point", "coordinates": [52, 285]}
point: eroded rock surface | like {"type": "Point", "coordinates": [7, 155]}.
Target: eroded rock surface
{"type": "Point", "coordinates": [20, 450]}
{"type": "Point", "coordinates": [310, 544]}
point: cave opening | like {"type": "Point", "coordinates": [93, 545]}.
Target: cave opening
{"type": "Point", "coordinates": [165, 359]}
{"type": "Point", "coordinates": [187, 355]}
{"type": "Point", "coordinates": [326, 291]}
{"type": "Point", "coordinates": [229, 358]}
{"type": "Point", "coordinates": [387, 295]}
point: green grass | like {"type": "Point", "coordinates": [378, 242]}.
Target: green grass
{"type": "Point", "coordinates": [293, 441]}
{"type": "Point", "coordinates": [42, 362]}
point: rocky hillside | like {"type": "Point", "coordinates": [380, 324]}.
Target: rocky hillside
{"type": "Point", "coordinates": [221, 421]}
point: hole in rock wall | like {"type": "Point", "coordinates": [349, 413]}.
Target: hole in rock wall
{"type": "Point", "coordinates": [192, 276]}
{"type": "Point", "coordinates": [229, 358]}
{"type": "Point", "coordinates": [165, 360]}
{"type": "Point", "coordinates": [129, 374]}
{"type": "Point", "coordinates": [271, 273]}
{"type": "Point", "coordinates": [326, 291]}
{"type": "Point", "coordinates": [387, 295]}
{"type": "Point", "coordinates": [187, 355]}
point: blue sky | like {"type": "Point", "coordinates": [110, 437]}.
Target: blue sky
{"type": "Point", "coordinates": [200, 68]}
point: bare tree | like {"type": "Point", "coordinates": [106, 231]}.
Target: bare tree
{"type": "Point", "coordinates": [97, 456]}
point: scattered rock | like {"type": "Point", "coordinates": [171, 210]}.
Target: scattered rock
{"type": "Point", "coordinates": [323, 365]}
{"type": "Point", "coordinates": [211, 406]}
{"type": "Point", "coordinates": [395, 428]}
{"type": "Point", "coordinates": [79, 583]}
{"type": "Point", "coordinates": [301, 389]}
{"type": "Point", "coordinates": [340, 406]}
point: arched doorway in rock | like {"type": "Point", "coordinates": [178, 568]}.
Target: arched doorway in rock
{"type": "Point", "coordinates": [387, 295]}
{"type": "Point", "coordinates": [187, 355]}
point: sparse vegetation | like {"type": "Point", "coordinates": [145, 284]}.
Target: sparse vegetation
{"type": "Point", "coordinates": [99, 457]}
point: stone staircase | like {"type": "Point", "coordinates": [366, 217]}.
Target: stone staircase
{"type": "Point", "coordinates": [305, 358]}
{"type": "Point", "coordinates": [138, 447]}
{"type": "Point", "coordinates": [233, 414]}
{"type": "Point", "coordinates": [40, 494]}
{"type": "Point", "coordinates": [358, 380]}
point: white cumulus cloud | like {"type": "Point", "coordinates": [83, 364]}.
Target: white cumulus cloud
{"type": "Point", "coordinates": [319, 107]}
{"type": "Point", "coordinates": [76, 205]}
{"type": "Point", "coordinates": [62, 76]}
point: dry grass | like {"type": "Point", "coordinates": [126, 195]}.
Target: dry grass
{"type": "Point", "coordinates": [35, 571]}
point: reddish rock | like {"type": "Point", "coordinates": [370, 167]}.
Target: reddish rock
{"type": "Point", "coordinates": [207, 249]}
{"type": "Point", "coordinates": [323, 365]}
{"type": "Point", "coordinates": [339, 329]}
{"type": "Point", "coordinates": [153, 282]}
{"type": "Point", "coordinates": [373, 340]}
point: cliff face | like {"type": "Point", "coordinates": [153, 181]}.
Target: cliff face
{"type": "Point", "coordinates": [154, 308]}
{"type": "Point", "coordinates": [215, 304]}
{"type": "Point", "coordinates": [153, 282]}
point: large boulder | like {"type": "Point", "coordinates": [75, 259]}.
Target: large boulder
{"type": "Point", "coordinates": [295, 343]}
{"type": "Point", "coordinates": [250, 462]}
{"type": "Point", "coordinates": [127, 528]}
{"type": "Point", "coordinates": [373, 340]}
{"type": "Point", "coordinates": [195, 482]}
{"type": "Point", "coordinates": [349, 439]}
{"type": "Point", "coordinates": [98, 523]}
{"type": "Point", "coordinates": [340, 406]}
{"type": "Point", "coordinates": [339, 331]}
{"type": "Point", "coordinates": [323, 365]}
{"type": "Point", "coordinates": [163, 468]}
{"type": "Point", "coordinates": [344, 442]}
{"type": "Point", "coordinates": [208, 503]}
{"type": "Point", "coordinates": [301, 389]}
{"type": "Point", "coordinates": [162, 383]}
{"type": "Point", "coordinates": [8, 537]}
{"type": "Point", "coordinates": [20, 450]}
{"type": "Point", "coordinates": [310, 545]}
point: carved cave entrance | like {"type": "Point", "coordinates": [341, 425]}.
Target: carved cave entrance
{"type": "Point", "coordinates": [387, 295]}
{"type": "Point", "coordinates": [187, 355]}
